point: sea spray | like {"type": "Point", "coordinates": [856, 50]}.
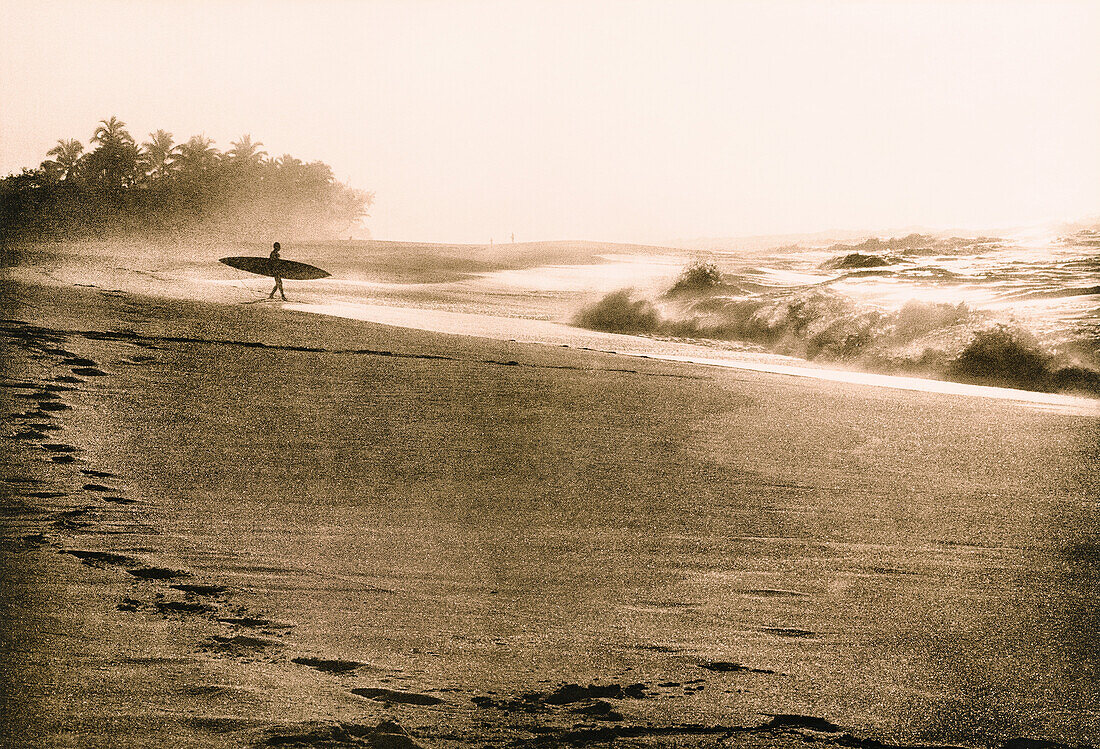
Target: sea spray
{"type": "Point", "coordinates": [941, 339]}
{"type": "Point", "coordinates": [619, 313]}
{"type": "Point", "coordinates": [1014, 358]}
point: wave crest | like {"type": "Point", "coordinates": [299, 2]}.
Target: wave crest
{"type": "Point", "coordinates": [619, 313]}
{"type": "Point", "coordinates": [1014, 358]}
{"type": "Point", "coordinates": [930, 339]}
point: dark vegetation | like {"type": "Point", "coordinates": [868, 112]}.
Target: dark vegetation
{"type": "Point", "coordinates": [163, 188]}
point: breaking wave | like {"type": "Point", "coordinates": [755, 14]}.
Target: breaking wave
{"type": "Point", "coordinates": [1013, 358]}
{"type": "Point", "coordinates": [619, 313]}
{"type": "Point", "coordinates": [952, 340]}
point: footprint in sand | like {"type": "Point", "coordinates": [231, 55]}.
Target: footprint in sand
{"type": "Point", "coordinates": [775, 593]}
{"type": "Point", "coordinates": [89, 372]}
{"type": "Point", "coordinates": [157, 573]}
{"type": "Point", "coordinates": [76, 512]}
{"type": "Point", "coordinates": [786, 720]}
{"type": "Point", "coordinates": [45, 427]}
{"type": "Point", "coordinates": [731, 667]}
{"type": "Point", "coordinates": [40, 396]}
{"type": "Point", "coordinates": [97, 474]}
{"type": "Point", "coordinates": [240, 645]}
{"type": "Point", "coordinates": [17, 385]}
{"type": "Point", "coordinates": [29, 435]}
{"type": "Point", "coordinates": [34, 539]}
{"type": "Point", "coordinates": [96, 558]}
{"type": "Point", "coordinates": [788, 632]}
{"type": "Point", "coordinates": [183, 607]}
{"type": "Point", "coordinates": [386, 735]}
{"type": "Point", "coordinates": [390, 695]}
{"type": "Point", "coordinates": [253, 622]}
{"type": "Point", "coordinates": [329, 665]}
{"type": "Point", "coordinates": [599, 710]}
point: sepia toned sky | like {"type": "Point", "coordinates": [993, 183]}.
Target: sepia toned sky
{"type": "Point", "coordinates": [631, 121]}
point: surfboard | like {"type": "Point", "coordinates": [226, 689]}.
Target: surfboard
{"type": "Point", "coordinates": [288, 269]}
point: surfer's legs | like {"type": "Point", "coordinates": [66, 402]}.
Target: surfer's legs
{"type": "Point", "coordinates": [278, 288]}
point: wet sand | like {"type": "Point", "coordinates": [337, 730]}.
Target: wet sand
{"type": "Point", "coordinates": [227, 525]}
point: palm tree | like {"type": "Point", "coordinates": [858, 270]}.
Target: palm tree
{"type": "Point", "coordinates": [112, 131]}
{"type": "Point", "coordinates": [196, 156]}
{"type": "Point", "coordinates": [199, 148]}
{"type": "Point", "coordinates": [66, 153]}
{"type": "Point", "coordinates": [115, 163]}
{"type": "Point", "coordinates": [158, 151]}
{"type": "Point", "coordinates": [286, 161]}
{"type": "Point", "coordinates": [244, 151]}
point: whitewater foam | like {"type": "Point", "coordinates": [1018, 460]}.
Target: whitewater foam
{"type": "Point", "coordinates": [557, 334]}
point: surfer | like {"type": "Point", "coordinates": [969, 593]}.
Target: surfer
{"type": "Point", "coordinates": [275, 272]}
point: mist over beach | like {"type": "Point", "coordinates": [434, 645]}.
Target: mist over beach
{"type": "Point", "coordinates": [550, 374]}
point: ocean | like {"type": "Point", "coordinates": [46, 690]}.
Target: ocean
{"type": "Point", "coordinates": [1020, 314]}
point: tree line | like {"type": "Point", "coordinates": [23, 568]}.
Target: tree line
{"type": "Point", "coordinates": [118, 187]}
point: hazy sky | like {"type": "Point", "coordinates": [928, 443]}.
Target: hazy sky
{"type": "Point", "coordinates": [636, 121]}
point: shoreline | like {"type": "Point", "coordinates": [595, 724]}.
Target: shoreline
{"type": "Point", "coordinates": [233, 642]}
{"type": "Point", "coordinates": [452, 323]}
{"type": "Point", "coordinates": [558, 334]}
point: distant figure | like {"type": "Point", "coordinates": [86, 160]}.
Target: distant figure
{"type": "Point", "coordinates": [275, 272]}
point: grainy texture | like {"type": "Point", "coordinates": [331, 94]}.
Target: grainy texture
{"type": "Point", "coordinates": [518, 544]}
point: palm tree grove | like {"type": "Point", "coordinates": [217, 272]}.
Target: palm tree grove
{"type": "Point", "coordinates": [116, 187]}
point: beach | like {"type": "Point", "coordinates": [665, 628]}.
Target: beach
{"type": "Point", "coordinates": [234, 524]}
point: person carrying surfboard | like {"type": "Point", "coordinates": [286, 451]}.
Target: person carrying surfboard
{"type": "Point", "coordinates": [275, 272]}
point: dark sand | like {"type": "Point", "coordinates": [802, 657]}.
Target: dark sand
{"type": "Point", "coordinates": [279, 529]}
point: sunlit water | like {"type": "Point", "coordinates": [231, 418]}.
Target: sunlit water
{"type": "Point", "coordinates": [911, 315]}
{"type": "Point", "coordinates": [913, 310]}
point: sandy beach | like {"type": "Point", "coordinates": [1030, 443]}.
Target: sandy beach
{"type": "Point", "coordinates": [233, 525]}
{"type": "Point", "coordinates": [524, 375]}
